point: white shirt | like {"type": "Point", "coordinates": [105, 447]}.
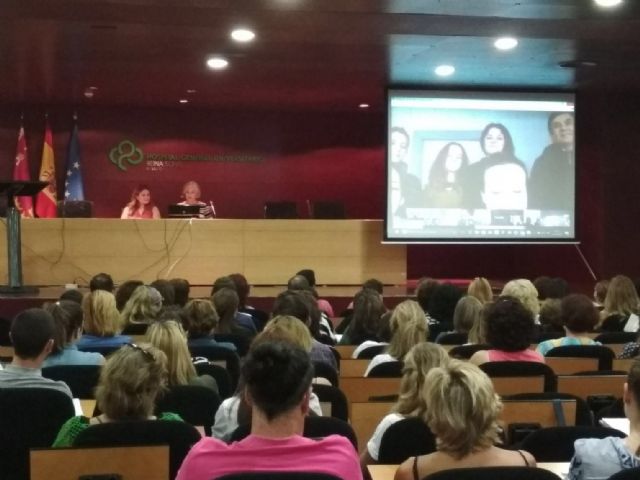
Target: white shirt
{"type": "Point", "coordinates": [366, 344]}
{"type": "Point", "coordinates": [378, 360]}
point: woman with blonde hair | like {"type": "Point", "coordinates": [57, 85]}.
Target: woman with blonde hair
{"type": "Point", "coordinates": [102, 322]}
{"type": "Point", "coordinates": [143, 306]}
{"type": "Point", "coordinates": [420, 359]}
{"type": "Point", "coordinates": [169, 337]}
{"type": "Point", "coordinates": [621, 306]}
{"type": "Point", "coordinates": [191, 193]}
{"type": "Point", "coordinates": [462, 411]}
{"type": "Point", "coordinates": [465, 316]}
{"type": "Point", "coordinates": [480, 288]}
{"type": "Point", "coordinates": [409, 327]}
{"type": "Point", "coordinates": [526, 292]}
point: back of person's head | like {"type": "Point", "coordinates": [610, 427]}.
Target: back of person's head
{"type": "Point", "coordinates": [525, 291]}
{"type": "Point", "coordinates": [374, 284]}
{"type": "Point", "coordinates": [226, 304]}
{"type": "Point", "coordinates": [67, 317]}
{"type": "Point", "coordinates": [384, 327]}
{"type": "Point", "coordinates": [292, 303]}
{"type": "Point", "coordinates": [543, 285]}
{"type": "Point", "coordinates": [222, 282]}
{"type": "Point", "coordinates": [143, 306]}
{"type": "Point", "coordinates": [462, 408]}
{"type": "Point", "coordinates": [622, 297]}
{"type": "Point", "coordinates": [72, 295]}
{"type": "Point", "coordinates": [169, 337]}
{"type": "Point", "coordinates": [578, 313]}
{"type": "Point", "coordinates": [242, 287]}
{"type": "Point", "coordinates": [284, 328]}
{"type": "Point", "coordinates": [202, 318]}
{"type": "Point", "coordinates": [367, 310]}
{"type": "Point", "coordinates": [130, 381]}
{"type": "Point", "coordinates": [165, 288]}
{"type": "Point", "coordinates": [421, 358]}
{"type": "Point", "coordinates": [480, 288]}
{"type": "Point", "coordinates": [600, 291]}
{"type": "Point", "coordinates": [424, 290]}
{"type": "Point", "coordinates": [510, 326]}
{"type": "Point", "coordinates": [124, 292]}
{"type": "Point", "coordinates": [550, 317]}
{"type": "Point", "coordinates": [101, 317]}
{"type": "Point", "coordinates": [466, 314]}
{"type": "Point", "coordinates": [408, 325]}
{"type": "Point", "coordinates": [633, 387]}
{"type": "Point", "coordinates": [298, 282]}
{"type": "Point", "coordinates": [101, 281]}
{"type": "Point", "coordinates": [443, 302]}
{"type": "Point", "coordinates": [310, 275]}
{"type": "Point", "coordinates": [478, 333]}
{"type": "Point", "coordinates": [277, 376]}
{"type": "Point", "coordinates": [181, 289]}
{"type": "Point", "coordinates": [31, 330]}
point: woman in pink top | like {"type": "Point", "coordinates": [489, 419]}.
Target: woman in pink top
{"type": "Point", "coordinates": [141, 205]}
{"type": "Point", "coordinates": [509, 330]}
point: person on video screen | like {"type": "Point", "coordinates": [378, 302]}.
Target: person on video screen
{"type": "Point", "coordinates": [405, 187]}
{"type": "Point", "coordinates": [504, 184]}
{"type": "Point", "coordinates": [444, 189]}
{"type": "Point", "coordinates": [551, 184]}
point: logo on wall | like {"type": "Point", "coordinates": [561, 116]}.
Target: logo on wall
{"type": "Point", "coordinates": [125, 152]}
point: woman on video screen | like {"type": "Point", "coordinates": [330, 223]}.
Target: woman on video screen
{"type": "Point", "coordinates": [444, 189]}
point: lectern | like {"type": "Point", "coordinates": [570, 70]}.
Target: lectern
{"type": "Point", "coordinates": [14, 243]}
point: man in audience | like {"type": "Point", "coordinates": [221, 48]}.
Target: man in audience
{"type": "Point", "coordinates": [32, 334]}
{"type": "Point", "coordinates": [277, 387]}
{"type": "Point", "coordinates": [101, 281]}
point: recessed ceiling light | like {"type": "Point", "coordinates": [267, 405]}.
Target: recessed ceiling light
{"type": "Point", "coordinates": [88, 93]}
{"type": "Point", "coordinates": [363, 105]}
{"type": "Point", "coordinates": [243, 35]}
{"type": "Point", "coordinates": [191, 91]}
{"type": "Point", "coordinates": [445, 70]}
{"type": "Point", "coordinates": [93, 88]}
{"type": "Point", "coordinates": [506, 43]}
{"type": "Point", "coordinates": [183, 100]}
{"type": "Point", "coordinates": [217, 63]}
{"type": "Point", "coordinates": [608, 3]}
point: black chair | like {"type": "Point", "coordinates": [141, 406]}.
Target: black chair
{"type": "Point", "coordinates": [493, 473]}
{"type": "Point", "coordinates": [326, 371]}
{"type": "Point", "coordinates": [326, 210]}
{"type": "Point", "coordinates": [584, 417]}
{"type": "Point", "coordinates": [465, 352]}
{"type": "Point", "coordinates": [221, 376]}
{"type": "Point", "coordinates": [260, 317]}
{"type": "Point", "coordinates": [616, 337]}
{"type": "Point", "coordinates": [614, 410]}
{"type": "Point", "coordinates": [135, 329]}
{"type": "Point", "coordinates": [404, 439]}
{"type": "Point", "coordinates": [604, 354]}
{"type": "Point", "coordinates": [614, 323]}
{"type": "Point", "coordinates": [555, 444]}
{"type": "Point", "coordinates": [626, 474]}
{"type": "Point", "coordinates": [370, 352]}
{"type": "Point", "coordinates": [180, 436]}
{"type": "Point", "coordinates": [387, 370]}
{"type": "Point", "coordinates": [284, 209]}
{"type": "Point", "coordinates": [544, 336]}
{"type": "Point", "coordinates": [105, 351]}
{"type": "Point", "coordinates": [241, 342]}
{"type": "Point", "coordinates": [278, 476]}
{"type": "Point", "coordinates": [196, 404]}
{"type": "Point", "coordinates": [81, 379]}
{"type": "Point", "coordinates": [75, 208]}
{"type": "Point", "coordinates": [216, 353]}
{"type": "Point", "coordinates": [452, 338]}
{"type": "Point", "coordinates": [522, 369]}
{"type": "Point", "coordinates": [334, 396]}
{"type": "Point", "coordinates": [29, 418]}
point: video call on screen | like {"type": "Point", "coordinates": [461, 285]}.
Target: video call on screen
{"type": "Point", "coordinates": [480, 166]}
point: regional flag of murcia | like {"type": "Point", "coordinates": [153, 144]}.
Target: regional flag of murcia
{"type": "Point", "coordinates": [21, 172]}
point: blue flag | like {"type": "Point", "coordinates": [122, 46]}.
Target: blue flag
{"type": "Point", "coordinates": [73, 188]}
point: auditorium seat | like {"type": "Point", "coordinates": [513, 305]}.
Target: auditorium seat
{"type": "Point", "coordinates": [604, 354]}
{"type": "Point", "coordinates": [81, 379]}
{"type": "Point", "coordinates": [407, 438]}
{"type": "Point", "coordinates": [75, 209]}
{"type": "Point", "coordinates": [196, 405]}
{"type": "Point", "coordinates": [329, 210]}
{"type": "Point", "coordinates": [282, 209]}
{"type": "Point", "coordinates": [335, 399]}
{"type": "Point", "coordinates": [493, 473]}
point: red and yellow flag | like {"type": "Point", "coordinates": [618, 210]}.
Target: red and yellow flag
{"type": "Point", "coordinates": [21, 172]}
{"type": "Point", "coordinates": [46, 199]}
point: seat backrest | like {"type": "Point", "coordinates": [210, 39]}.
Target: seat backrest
{"type": "Point", "coordinates": [604, 354]}
{"type": "Point", "coordinates": [81, 379]}
{"type": "Point", "coordinates": [616, 337]}
{"type": "Point", "coordinates": [555, 444]}
{"type": "Point", "coordinates": [584, 416]}
{"type": "Point", "coordinates": [521, 369]}
{"type": "Point", "coordinates": [216, 353]}
{"type": "Point", "coordinates": [29, 418]}
{"type": "Point", "coordinates": [372, 351]}
{"type": "Point", "coordinates": [614, 323]}
{"type": "Point", "coordinates": [283, 209]}
{"type": "Point", "coordinates": [493, 473]}
{"type": "Point", "coordinates": [104, 350]}
{"type": "Point", "coordinates": [278, 476]}
{"type": "Point", "coordinates": [180, 437]}
{"type": "Point", "coordinates": [196, 404]}
{"type": "Point", "coordinates": [584, 386]}
{"type": "Point", "coordinates": [75, 208]}
{"type": "Point", "coordinates": [324, 370]}
{"type": "Point", "coordinates": [464, 352]}
{"type": "Point", "coordinates": [221, 376]}
{"type": "Point", "coordinates": [323, 209]}
{"type": "Point", "coordinates": [333, 396]}
{"type": "Point", "coordinates": [128, 462]}
{"type": "Point", "coordinates": [406, 438]}
{"type": "Point", "coordinates": [626, 474]}
{"type": "Point", "coordinates": [241, 342]}
{"type": "Point", "coordinates": [135, 329]}
{"type": "Point", "coordinates": [387, 370]}
{"type": "Point", "coordinates": [452, 338]}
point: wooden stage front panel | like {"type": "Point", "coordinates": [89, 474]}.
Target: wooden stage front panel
{"type": "Point", "coordinates": [267, 252]}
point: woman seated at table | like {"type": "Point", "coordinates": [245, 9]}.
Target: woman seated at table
{"type": "Point", "coordinates": [462, 411]}
{"type": "Point", "coordinates": [597, 458]}
{"type": "Point", "coordinates": [141, 206]}
{"type": "Point", "coordinates": [129, 383]}
{"type": "Point", "coordinates": [509, 330]}
{"type": "Point", "coordinates": [191, 194]}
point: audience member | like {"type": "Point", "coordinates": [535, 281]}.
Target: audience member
{"type": "Point", "coordinates": [278, 379]}
{"type": "Point", "coordinates": [101, 281]}
{"type": "Point", "coordinates": [102, 321]}
{"type": "Point", "coordinates": [201, 321]}
{"type": "Point", "coordinates": [124, 292]}
{"type": "Point", "coordinates": [260, 318]}
{"type": "Point", "coordinates": [550, 316]}
{"type": "Point", "coordinates": [323, 305]}
{"type": "Point", "coordinates": [243, 319]}
{"type": "Point", "coordinates": [424, 291]}
{"type": "Point", "coordinates": [465, 316]}
{"type": "Point", "coordinates": [600, 293]}
{"type": "Point", "coordinates": [165, 288]}
{"type": "Point", "coordinates": [462, 411]}
{"type": "Point", "coordinates": [365, 321]}
{"type": "Point", "coordinates": [621, 306]}
{"type": "Point", "coordinates": [181, 289]}
{"type": "Point", "coordinates": [442, 304]}
{"type": "Point", "coordinates": [143, 306]}
{"type": "Point", "coordinates": [72, 294]}
{"type": "Point", "coordinates": [32, 334]}
{"type": "Point", "coordinates": [480, 288]}
{"type": "Point", "coordinates": [226, 304]}
{"type": "Point", "coordinates": [298, 282]}
{"type": "Point", "coordinates": [526, 292]}
{"type": "Point", "coordinates": [478, 333]}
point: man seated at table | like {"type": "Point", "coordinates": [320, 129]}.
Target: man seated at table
{"type": "Point", "coordinates": [277, 379]}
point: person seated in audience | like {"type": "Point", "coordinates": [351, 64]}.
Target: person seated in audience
{"type": "Point", "coordinates": [365, 321]}
{"type": "Point", "coordinates": [424, 290]}
{"type": "Point", "coordinates": [442, 304]}
{"type": "Point", "coordinates": [598, 458]}
{"type": "Point", "coordinates": [143, 307]}
{"type": "Point", "coordinates": [102, 322]}
{"type": "Point", "coordinates": [101, 281]}
{"type": "Point", "coordinates": [226, 304]}
{"type": "Point", "coordinates": [191, 194]}
{"type": "Point", "coordinates": [73, 295]}
{"type": "Point", "coordinates": [462, 411]}
{"type": "Point", "coordinates": [478, 333]}
{"type": "Point", "coordinates": [480, 288]}
{"type": "Point", "coordinates": [411, 403]}
{"type": "Point", "coordinates": [579, 316]}
{"type": "Point", "coordinates": [141, 206]}
{"type": "Point", "coordinates": [621, 306]}
{"type": "Point", "coordinates": [169, 337]}
{"type": "Point", "coordinates": [465, 316]}
{"type": "Point", "coordinates": [243, 319]}
{"type": "Point", "coordinates": [600, 293]}
{"type": "Point", "coordinates": [297, 304]}
{"type": "Point", "coordinates": [181, 289]}
{"type": "Point", "coordinates": [383, 336]}
{"type": "Point", "coordinates": [67, 316]}
{"type": "Point", "coordinates": [32, 334]}
{"type": "Point", "coordinates": [165, 288]}
{"type": "Point", "coordinates": [201, 321]}
{"type": "Point", "coordinates": [323, 305]}
{"type": "Point", "coordinates": [550, 316]}
{"type": "Point", "coordinates": [277, 379]}
{"type": "Point", "coordinates": [260, 318]}
{"type": "Point", "coordinates": [373, 284]}
{"type": "Point", "coordinates": [526, 292]}
{"type": "Point", "coordinates": [509, 332]}
{"type": "Point", "coordinates": [300, 283]}
{"type": "Point", "coordinates": [235, 410]}
{"type": "Point", "coordinates": [408, 328]}
{"type": "Point", "coordinates": [129, 383]}
{"type": "Point", "coordinates": [124, 292]}
{"type": "Point", "coordinates": [548, 287]}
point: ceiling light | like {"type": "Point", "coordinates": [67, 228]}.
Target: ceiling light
{"type": "Point", "coordinates": [183, 100]}
{"type": "Point", "coordinates": [191, 91]}
{"type": "Point", "coordinates": [506, 43]}
{"type": "Point", "coordinates": [608, 3]}
{"type": "Point", "coordinates": [363, 105]}
{"type": "Point", "coordinates": [445, 70]}
{"type": "Point", "coordinates": [243, 35]}
{"type": "Point", "coordinates": [93, 88]}
{"type": "Point", "coordinates": [217, 63]}
{"type": "Point", "coordinates": [88, 93]}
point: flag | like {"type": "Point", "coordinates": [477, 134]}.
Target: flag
{"type": "Point", "coordinates": [21, 172]}
{"type": "Point", "coordinates": [46, 199]}
{"type": "Point", "coordinates": [73, 189]}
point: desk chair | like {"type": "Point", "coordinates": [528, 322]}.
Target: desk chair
{"type": "Point", "coordinates": [215, 354]}
{"type": "Point", "coordinates": [326, 371]}
{"type": "Point", "coordinates": [604, 354]}
{"type": "Point", "coordinates": [336, 400]}
{"type": "Point", "coordinates": [616, 337]}
{"type": "Point", "coordinates": [626, 474]}
{"type": "Point", "coordinates": [404, 439]}
{"type": "Point", "coordinates": [324, 209]}
{"type": "Point", "coordinates": [196, 405]}
{"type": "Point", "coordinates": [521, 369]}
{"type": "Point", "coordinates": [493, 473]}
{"type": "Point", "coordinates": [452, 338]}
{"type": "Point", "coordinates": [81, 379]}
{"type": "Point", "coordinates": [465, 352]}
{"type": "Point", "coordinates": [283, 209]}
{"type": "Point", "coordinates": [221, 376]}
{"type": "Point", "coordinates": [387, 370]}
